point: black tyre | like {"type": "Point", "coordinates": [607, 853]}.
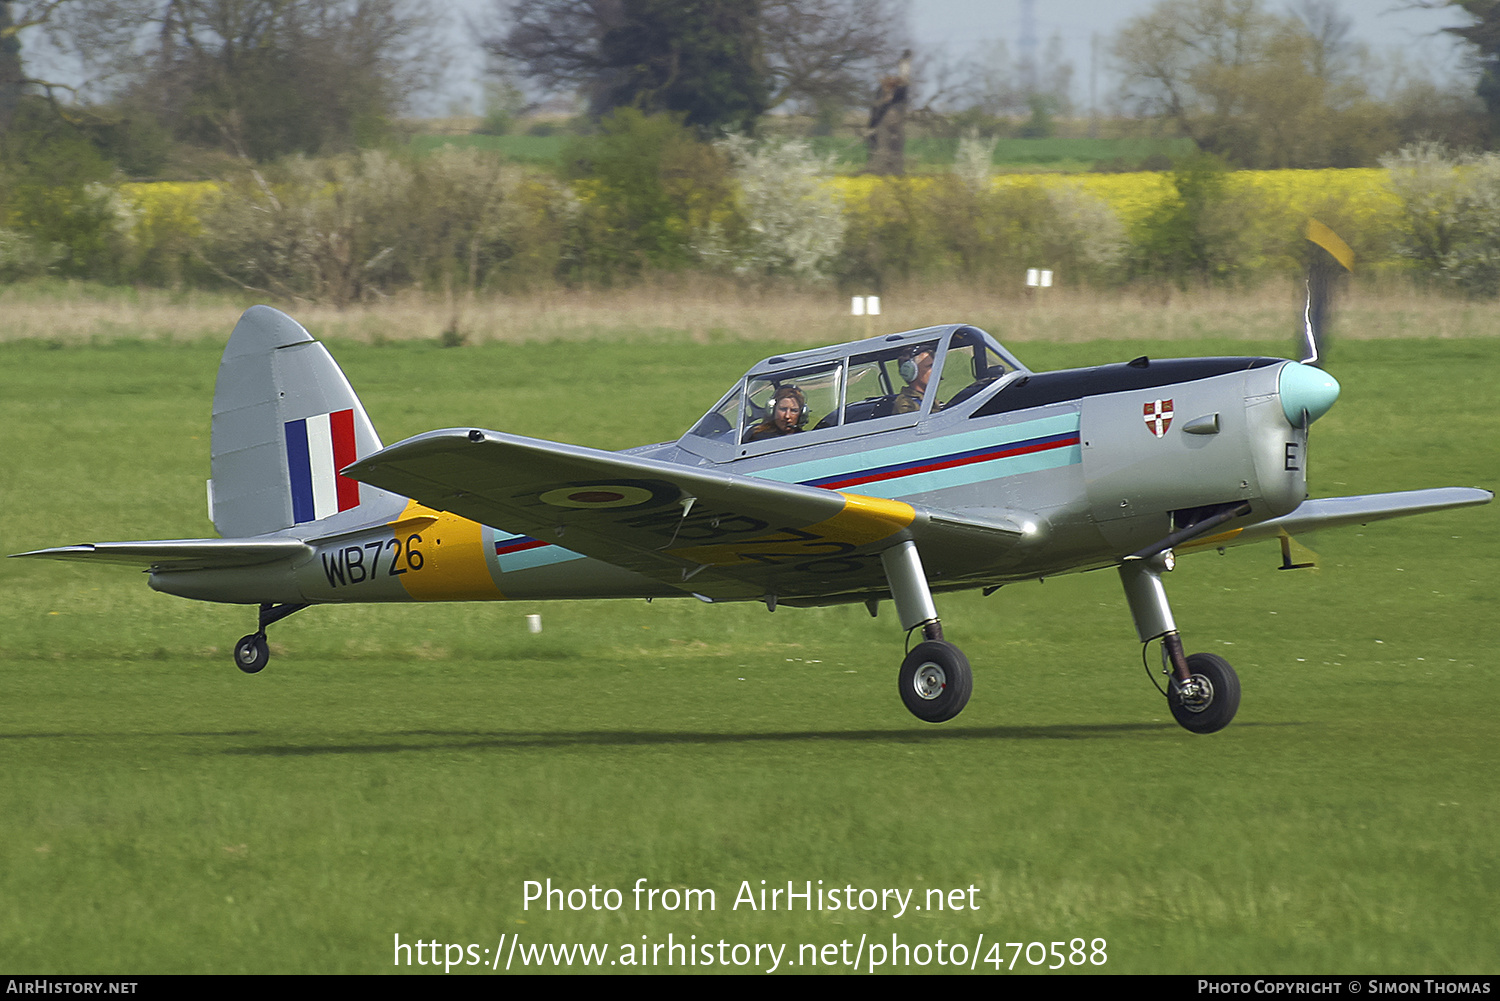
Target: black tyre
{"type": "Point", "coordinates": [935, 681]}
{"type": "Point", "coordinates": [1215, 697]}
{"type": "Point", "coordinates": [251, 654]}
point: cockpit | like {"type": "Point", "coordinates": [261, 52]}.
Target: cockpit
{"type": "Point", "coordinates": [860, 388]}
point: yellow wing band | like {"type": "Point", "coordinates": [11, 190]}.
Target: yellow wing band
{"type": "Point", "coordinates": [864, 520]}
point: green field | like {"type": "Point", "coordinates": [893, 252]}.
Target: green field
{"type": "Point", "coordinates": [403, 771]}
{"type": "Point", "coordinates": [924, 155]}
{"type": "Point", "coordinates": [935, 155]}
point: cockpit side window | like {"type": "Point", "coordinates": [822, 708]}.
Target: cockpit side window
{"type": "Point", "coordinates": [892, 381]}
{"type": "Point", "coordinates": [720, 423]}
{"type": "Point", "coordinates": [968, 368]}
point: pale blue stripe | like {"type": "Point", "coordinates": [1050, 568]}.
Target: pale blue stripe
{"type": "Point", "coordinates": [931, 448]}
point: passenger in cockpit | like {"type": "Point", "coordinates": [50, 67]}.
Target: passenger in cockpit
{"type": "Point", "coordinates": [916, 369]}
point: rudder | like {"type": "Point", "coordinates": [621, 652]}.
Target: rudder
{"type": "Point", "coordinates": [285, 420]}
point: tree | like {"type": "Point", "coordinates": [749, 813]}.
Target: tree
{"type": "Point", "coordinates": [1483, 33]}
{"type": "Point", "coordinates": [259, 77]}
{"type": "Point", "coordinates": [1332, 34]}
{"type": "Point", "coordinates": [813, 53]}
{"type": "Point", "coordinates": [648, 187]}
{"type": "Point", "coordinates": [1258, 88]}
{"type": "Point", "coordinates": [996, 86]}
{"type": "Point", "coordinates": [14, 80]}
{"type": "Point", "coordinates": [699, 59]}
{"type": "Point", "coordinates": [822, 53]}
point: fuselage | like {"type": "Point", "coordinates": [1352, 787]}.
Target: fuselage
{"type": "Point", "coordinates": [1098, 462]}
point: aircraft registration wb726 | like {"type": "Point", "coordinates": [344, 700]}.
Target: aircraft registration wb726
{"type": "Point", "coordinates": [897, 467]}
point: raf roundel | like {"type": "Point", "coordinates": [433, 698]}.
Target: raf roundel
{"type": "Point", "coordinates": [1158, 416]}
{"type": "Point", "coordinates": [597, 495]}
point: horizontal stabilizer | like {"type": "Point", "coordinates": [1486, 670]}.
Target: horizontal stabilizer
{"type": "Point", "coordinates": [182, 554]}
{"type": "Point", "coordinates": [1336, 512]}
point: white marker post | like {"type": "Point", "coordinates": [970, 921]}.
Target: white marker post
{"type": "Point", "coordinates": [866, 306]}
{"type": "Point", "coordinates": [533, 623]}
{"type": "Point", "coordinates": [1038, 278]}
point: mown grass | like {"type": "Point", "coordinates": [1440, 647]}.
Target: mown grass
{"type": "Point", "coordinates": [402, 770]}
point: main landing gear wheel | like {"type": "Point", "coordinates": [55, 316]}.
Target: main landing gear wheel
{"type": "Point", "coordinates": [1210, 699]}
{"type": "Point", "coordinates": [935, 681]}
{"type": "Point", "coordinates": [251, 654]}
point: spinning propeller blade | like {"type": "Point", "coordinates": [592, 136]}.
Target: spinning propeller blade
{"type": "Point", "coordinates": [1330, 259]}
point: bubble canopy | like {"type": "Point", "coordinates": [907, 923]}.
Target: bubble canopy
{"type": "Point", "coordinates": [862, 387]}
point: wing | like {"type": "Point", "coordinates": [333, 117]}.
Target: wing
{"type": "Point", "coordinates": [1336, 512]}
{"type": "Point", "coordinates": [716, 534]}
{"type": "Point", "coordinates": [182, 554]}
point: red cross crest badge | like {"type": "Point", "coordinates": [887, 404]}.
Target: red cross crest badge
{"type": "Point", "coordinates": [1158, 416]}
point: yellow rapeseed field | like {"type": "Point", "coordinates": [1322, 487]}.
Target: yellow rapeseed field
{"type": "Point", "coordinates": [166, 208]}
{"type": "Point", "coordinates": [1265, 209]}
{"type": "Point", "coordinates": [1271, 204]}
{"type": "Point", "coordinates": [1359, 196]}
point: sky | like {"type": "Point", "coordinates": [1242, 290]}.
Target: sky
{"type": "Point", "coordinates": [954, 30]}
{"type": "Point", "coordinates": [963, 26]}
{"type": "Point", "coordinates": [960, 29]}
{"type": "Point", "coordinates": [957, 24]}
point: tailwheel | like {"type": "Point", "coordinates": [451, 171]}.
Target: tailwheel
{"type": "Point", "coordinates": [936, 681]}
{"type": "Point", "coordinates": [1209, 699]}
{"type": "Point", "coordinates": [251, 654]}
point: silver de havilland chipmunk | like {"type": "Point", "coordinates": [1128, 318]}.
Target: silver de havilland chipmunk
{"type": "Point", "coordinates": [892, 468]}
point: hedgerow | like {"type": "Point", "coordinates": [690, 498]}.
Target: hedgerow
{"type": "Point", "coordinates": [645, 196]}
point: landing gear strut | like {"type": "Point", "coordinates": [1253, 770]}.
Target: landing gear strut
{"type": "Point", "coordinates": [251, 653]}
{"type": "Point", "coordinates": [935, 680]}
{"type": "Point", "coordinates": [1203, 691]}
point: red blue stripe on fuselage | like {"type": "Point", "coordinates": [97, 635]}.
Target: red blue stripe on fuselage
{"type": "Point", "coordinates": [952, 460]}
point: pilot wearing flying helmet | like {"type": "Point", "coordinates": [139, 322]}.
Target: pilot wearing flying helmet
{"type": "Point", "coordinates": [787, 415]}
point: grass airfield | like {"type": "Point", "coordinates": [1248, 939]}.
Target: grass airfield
{"type": "Point", "coordinates": [403, 770]}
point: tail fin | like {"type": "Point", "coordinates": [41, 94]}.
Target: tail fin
{"type": "Point", "coordinates": [285, 421]}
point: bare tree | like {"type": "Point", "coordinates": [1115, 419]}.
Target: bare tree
{"type": "Point", "coordinates": [558, 44]}
{"type": "Point", "coordinates": [14, 79]}
{"type": "Point", "coordinates": [262, 77]}
{"type": "Point", "coordinates": [1260, 88]}
{"type": "Point", "coordinates": [1185, 58]}
{"type": "Point", "coordinates": [830, 51]}
{"type": "Point", "coordinates": [997, 85]}
{"type": "Point", "coordinates": [1332, 33]}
